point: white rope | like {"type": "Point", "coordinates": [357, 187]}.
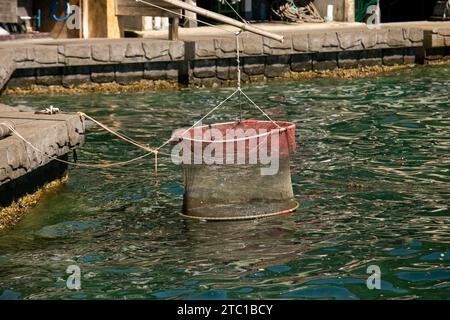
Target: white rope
{"type": "Point", "coordinates": [4, 128]}
{"type": "Point", "coordinates": [84, 165]}
{"type": "Point", "coordinates": [51, 110]}
{"type": "Point", "coordinates": [239, 77]}
{"type": "Point", "coordinates": [259, 108]}
{"type": "Point", "coordinates": [150, 151]}
{"type": "Point", "coordinates": [238, 66]}
{"type": "Point", "coordinates": [198, 121]}
{"type": "Point", "coordinates": [238, 60]}
{"type": "Point", "coordinates": [232, 8]}
{"type": "Point", "coordinates": [119, 135]}
{"type": "Point", "coordinates": [155, 152]}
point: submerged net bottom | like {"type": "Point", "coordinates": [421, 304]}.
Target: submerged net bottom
{"type": "Point", "coordinates": [221, 192]}
{"type": "Point", "coordinates": [242, 211]}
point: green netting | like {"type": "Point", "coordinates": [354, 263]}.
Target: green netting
{"type": "Point", "coordinates": [361, 9]}
{"type": "Point", "coordinates": [224, 8]}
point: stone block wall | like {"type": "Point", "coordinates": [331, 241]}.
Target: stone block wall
{"type": "Point", "coordinates": [122, 61]}
{"type": "Point", "coordinates": [102, 73]}
{"type": "Point", "coordinates": [213, 60]}
{"type": "Point", "coordinates": [6, 66]}
{"type": "Point", "coordinates": [55, 135]}
{"type": "Point", "coordinates": [210, 71]}
{"type": "Point", "coordinates": [124, 51]}
{"type": "Point", "coordinates": [436, 45]}
{"type": "Point", "coordinates": [437, 38]}
{"type": "Point", "coordinates": [314, 41]}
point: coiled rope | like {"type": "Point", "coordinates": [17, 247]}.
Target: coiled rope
{"type": "Point", "coordinates": [298, 11]}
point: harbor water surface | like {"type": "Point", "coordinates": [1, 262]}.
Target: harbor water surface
{"type": "Point", "coordinates": [371, 174]}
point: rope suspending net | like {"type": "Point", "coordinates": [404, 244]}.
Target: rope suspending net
{"type": "Point", "coordinates": [157, 151]}
{"type": "Point", "coordinates": [213, 191]}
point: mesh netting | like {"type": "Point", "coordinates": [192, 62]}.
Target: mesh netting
{"type": "Point", "coordinates": [255, 183]}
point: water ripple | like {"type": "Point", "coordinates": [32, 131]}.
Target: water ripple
{"type": "Point", "coordinates": [371, 173]}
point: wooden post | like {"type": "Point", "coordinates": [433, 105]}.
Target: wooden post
{"type": "Point", "coordinates": [192, 15]}
{"type": "Point", "coordinates": [114, 23]}
{"type": "Point", "coordinates": [85, 19]}
{"type": "Point", "coordinates": [173, 28]}
{"type": "Point", "coordinates": [349, 10]}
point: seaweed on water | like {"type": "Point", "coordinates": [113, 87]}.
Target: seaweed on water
{"type": "Point", "coordinates": [10, 215]}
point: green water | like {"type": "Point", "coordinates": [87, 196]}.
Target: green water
{"type": "Point", "coordinates": [371, 173]}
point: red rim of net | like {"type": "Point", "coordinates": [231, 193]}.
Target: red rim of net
{"type": "Point", "coordinates": [245, 134]}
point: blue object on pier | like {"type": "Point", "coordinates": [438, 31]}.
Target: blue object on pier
{"type": "Point", "coordinates": [38, 18]}
{"type": "Point", "coordinates": [54, 7]}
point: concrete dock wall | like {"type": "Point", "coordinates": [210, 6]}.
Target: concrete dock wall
{"type": "Point", "coordinates": [54, 135]}
{"type": "Point", "coordinates": [206, 60]}
{"type": "Point", "coordinates": [214, 58]}
{"type": "Point", "coordinates": [436, 45]}
{"type": "Point", "coordinates": [7, 66]}
{"type": "Point", "coordinates": [121, 61]}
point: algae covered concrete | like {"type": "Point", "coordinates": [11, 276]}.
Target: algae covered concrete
{"type": "Point", "coordinates": [11, 215]}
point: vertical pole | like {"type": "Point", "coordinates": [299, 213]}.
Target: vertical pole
{"type": "Point", "coordinates": [164, 23]}
{"type": "Point", "coordinates": [378, 20]}
{"type": "Point", "coordinates": [85, 18]}
{"type": "Point", "coordinates": [114, 24]}
{"type": "Point", "coordinates": [349, 10]}
{"type": "Point", "coordinates": [248, 10]}
{"type": "Point", "coordinates": [191, 23]}
{"type": "Point", "coordinates": [238, 61]}
{"type": "Point", "coordinates": [81, 19]}
{"type": "Point", "coordinates": [173, 28]}
{"type": "Point", "coordinates": [147, 23]}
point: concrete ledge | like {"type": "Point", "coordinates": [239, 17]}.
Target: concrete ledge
{"type": "Point", "coordinates": [437, 38]}
{"type": "Point", "coordinates": [210, 58]}
{"type": "Point", "coordinates": [311, 42]}
{"type": "Point", "coordinates": [7, 66]}
{"type": "Point", "coordinates": [89, 52]}
{"type": "Point", "coordinates": [55, 135]}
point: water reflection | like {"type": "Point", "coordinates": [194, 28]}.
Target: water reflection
{"type": "Point", "coordinates": [371, 175]}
